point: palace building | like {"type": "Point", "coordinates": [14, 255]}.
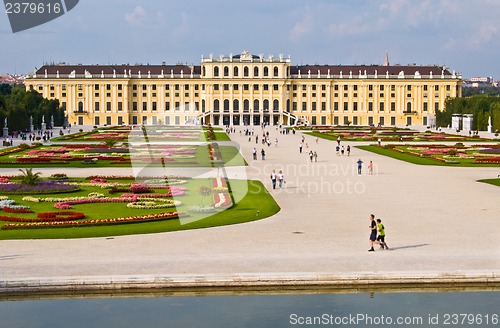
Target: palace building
{"type": "Point", "coordinates": [248, 89]}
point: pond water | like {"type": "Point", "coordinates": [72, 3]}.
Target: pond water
{"type": "Point", "coordinates": [307, 309]}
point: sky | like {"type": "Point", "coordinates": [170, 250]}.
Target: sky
{"type": "Point", "coordinates": [460, 34]}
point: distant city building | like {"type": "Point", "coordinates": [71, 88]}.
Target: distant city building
{"type": "Point", "coordinates": [248, 89]}
{"type": "Point", "coordinates": [478, 82]}
{"type": "Point", "coordinates": [11, 79]}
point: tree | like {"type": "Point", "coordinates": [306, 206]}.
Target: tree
{"type": "Point", "coordinates": [110, 142]}
{"type": "Point", "coordinates": [29, 178]}
{"type": "Point", "coordinates": [204, 192]}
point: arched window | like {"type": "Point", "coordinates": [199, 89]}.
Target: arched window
{"type": "Point", "coordinates": [226, 106]}
{"type": "Point", "coordinates": [256, 106]}
{"type": "Point", "coordinates": [245, 71]}
{"type": "Point", "coordinates": [203, 105]}
{"type": "Point", "coordinates": [266, 71]}
{"type": "Point", "coordinates": [276, 105]}
{"type": "Point", "coordinates": [204, 73]}
{"type": "Point", "coordinates": [408, 107]}
{"type": "Point", "coordinates": [276, 71]}
{"type": "Point", "coordinates": [256, 72]}
{"type": "Point", "coordinates": [216, 71]}
{"type": "Point", "coordinates": [236, 106]}
{"type": "Point", "coordinates": [226, 71]}
{"type": "Point", "coordinates": [216, 105]}
{"type": "Point", "coordinates": [80, 106]}
{"type": "Point", "coordinates": [235, 71]}
{"type": "Point", "coordinates": [266, 105]}
{"type": "Point", "coordinates": [246, 105]}
{"type": "Point", "coordinates": [288, 105]}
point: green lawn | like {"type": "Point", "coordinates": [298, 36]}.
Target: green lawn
{"type": "Point", "coordinates": [420, 160]}
{"type": "Point", "coordinates": [495, 182]}
{"type": "Point", "coordinates": [252, 197]}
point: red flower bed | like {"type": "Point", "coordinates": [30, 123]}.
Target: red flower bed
{"type": "Point", "coordinates": [16, 210]}
{"type": "Point", "coordinates": [87, 223]}
{"type": "Point", "coordinates": [488, 160]}
{"type": "Point", "coordinates": [47, 217]}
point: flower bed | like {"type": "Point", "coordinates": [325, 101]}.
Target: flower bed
{"type": "Point", "coordinates": [87, 223]}
{"type": "Point", "coordinates": [44, 187]}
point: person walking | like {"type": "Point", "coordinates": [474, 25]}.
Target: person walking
{"type": "Point", "coordinates": [348, 150]}
{"type": "Point", "coordinates": [381, 235]}
{"type": "Point", "coordinates": [300, 147]}
{"type": "Point", "coordinates": [273, 179]}
{"type": "Point", "coordinates": [263, 153]}
{"type": "Point", "coordinates": [373, 232]}
{"type": "Point", "coordinates": [315, 155]}
{"type": "Point", "coordinates": [342, 150]}
{"type": "Point", "coordinates": [370, 168]}
{"type": "Point", "coordinates": [281, 178]}
{"type": "Point", "coordinates": [311, 155]}
{"type": "Point", "coordinates": [254, 152]}
{"type": "Point", "coordinates": [338, 140]}
{"type": "Point", "coordinates": [360, 165]}
{"type": "Point", "coordinates": [337, 149]}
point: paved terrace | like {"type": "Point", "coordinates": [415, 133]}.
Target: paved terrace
{"type": "Point", "coordinates": [441, 225]}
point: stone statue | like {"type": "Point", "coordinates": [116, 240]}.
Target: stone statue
{"type": "Point", "coordinates": [31, 119]}
{"type": "Point", "coordinates": [489, 121]}
{"type": "Point", "coordinates": [43, 119]}
{"type": "Point", "coordinates": [5, 123]}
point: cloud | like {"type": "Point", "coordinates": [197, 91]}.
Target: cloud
{"type": "Point", "coordinates": [136, 17]}
{"type": "Point", "coordinates": [303, 27]}
{"type": "Point", "coordinates": [487, 30]}
{"type": "Point", "coordinates": [183, 27]}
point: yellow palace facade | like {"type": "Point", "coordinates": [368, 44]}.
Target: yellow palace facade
{"type": "Point", "coordinates": [246, 89]}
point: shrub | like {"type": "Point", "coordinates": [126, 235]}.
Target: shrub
{"type": "Point", "coordinates": [24, 146]}
{"type": "Point", "coordinates": [81, 130]}
{"type": "Point", "coordinates": [452, 152]}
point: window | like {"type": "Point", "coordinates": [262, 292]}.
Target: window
{"type": "Point", "coordinates": [186, 87]}
{"type": "Point", "coordinates": [336, 87]}
{"type": "Point", "coordinates": [226, 87]}
{"type": "Point", "coordinates": [120, 106]}
{"type": "Point", "coordinates": [448, 87]}
{"type": "Point", "coordinates": [393, 106]}
{"type": "Point", "coordinates": [64, 95]}
{"type": "Point", "coordinates": [275, 71]}
{"type": "Point", "coordinates": [381, 106]}
{"type": "Point", "coordinates": [355, 106]}
{"type": "Point", "coordinates": [436, 106]}
{"type": "Point", "coordinates": [134, 119]}
{"type": "Point", "coordinates": [425, 87]}
{"type": "Point", "coordinates": [186, 106]}
{"type": "Point", "coordinates": [235, 87]}
{"type": "Point", "coordinates": [177, 105]}
{"type": "Point", "coordinates": [408, 87]}
{"type": "Point", "coordinates": [336, 120]}
{"type": "Point", "coordinates": [313, 87]}
{"type": "Point", "coordinates": [108, 106]}
{"type": "Point", "coordinates": [313, 106]}
{"type": "Point", "coordinates": [304, 87]}
{"type": "Point", "coordinates": [381, 88]}
{"type": "Point", "coordinates": [144, 87]}
{"type": "Point", "coordinates": [245, 71]}
{"type": "Point", "coordinates": [154, 105]}
{"type": "Point", "coordinates": [370, 106]}
{"type": "Point", "coordinates": [266, 87]}
{"type": "Point", "coordinates": [276, 105]}
{"type": "Point", "coordinates": [144, 94]}
{"type": "Point", "coordinates": [63, 105]}
{"type": "Point", "coordinates": [96, 87]}
{"type": "Point", "coordinates": [370, 87]}
{"type": "Point", "coordinates": [246, 105]}
{"type": "Point", "coordinates": [216, 87]}
{"type": "Point", "coordinates": [108, 94]}
{"type": "Point", "coordinates": [51, 87]}
{"type": "Point", "coordinates": [134, 105]}
{"type": "Point", "coordinates": [235, 71]}
{"type": "Point", "coordinates": [120, 88]}
{"type": "Point", "coordinates": [236, 105]}
{"type": "Point", "coordinates": [246, 87]}
{"type": "Point", "coordinates": [80, 87]}
{"type": "Point", "coordinates": [167, 86]}
{"type": "Point", "coordinates": [256, 106]}
{"type": "Point", "coordinates": [436, 88]}
{"type": "Point", "coordinates": [425, 107]}
{"type": "Point", "coordinates": [167, 105]}
{"type": "Point", "coordinates": [355, 88]}
{"type": "Point", "coordinates": [335, 105]}
{"type": "Point", "coordinates": [255, 71]}
{"type": "Point", "coordinates": [96, 106]}
{"type": "Point", "coordinates": [216, 105]}
{"type": "Point", "coordinates": [393, 120]}
{"type": "Point", "coordinates": [408, 107]}
{"type": "Point", "coordinates": [134, 87]}
{"type": "Point", "coordinates": [63, 86]}
{"type": "Point", "coordinates": [266, 105]}
{"type": "Point", "coordinates": [275, 87]}
{"type": "Point", "coordinates": [304, 106]}
{"type": "Point", "coordinates": [294, 106]}
{"type": "Point", "coordinates": [393, 87]}
{"type": "Point", "coordinates": [266, 71]}
{"type": "Point", "coordinates": [52, 94]}
{"type": "Point", "coordinates": [323, 105]}
{"type": "Point", "coordinates": [216, 71]}
{"type": "Point", "coordinates": [226, 71]}
{"type": "Point", "coordinates": [144, 106]}
{"type": "Point", "coordinates": [80, 95]}
{"type": "Point", "coordinates": [346, 87]}
{"type": "Point", "coordinates": [294, 88]}
{"type": "Point", "coordinates": [97, 120]}
{"type": "Point", "coordinates": [255, 87]}
{"type": "Point", "coordinates": [346, 106]}
{"type": "Point", "coordinates": [108, 87]}
{"type": "Point", "coordinates": [80, 106]}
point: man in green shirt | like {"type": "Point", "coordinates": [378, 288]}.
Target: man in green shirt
{"type": "Point", "coordinates": [381, 234]}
